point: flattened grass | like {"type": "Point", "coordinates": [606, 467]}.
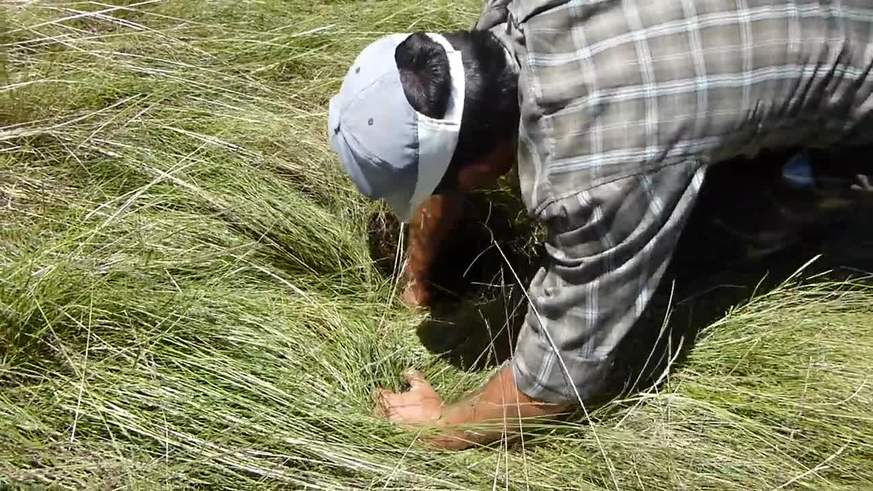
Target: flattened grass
{"type": "Point", "coordinates": [187, 300]}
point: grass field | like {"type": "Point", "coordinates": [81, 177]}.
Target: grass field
{"type": "Point", "coordinates": [187, 299]}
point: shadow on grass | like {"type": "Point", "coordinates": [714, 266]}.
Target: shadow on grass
{"type": "Point", "coordinates": [748, 233]}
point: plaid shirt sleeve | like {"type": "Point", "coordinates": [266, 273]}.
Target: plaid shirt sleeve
{"type": "Point", "coordinates": [607, 248]}
{"type": "Point", "coordinates": [624, 104]}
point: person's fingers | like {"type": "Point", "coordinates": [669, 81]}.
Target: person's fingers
{"type": "Point", "coordinates": [380, 408]}
{"type": "Point", "coordinates": [414, 296]}
{"type": "Point", "coordinates": [416, 380]}
{"type": "Point", "coordinates": [395, 406]}
{"type": "Point", "coordinates": [376, 398]}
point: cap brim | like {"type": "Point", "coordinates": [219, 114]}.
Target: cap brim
{"type": "Point", "coordinates": [351, 165]}
{"type": "Point", "coordinates": [399, 204]}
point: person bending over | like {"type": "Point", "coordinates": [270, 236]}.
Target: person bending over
{"type": "Point", "coordinates": [613, 111]}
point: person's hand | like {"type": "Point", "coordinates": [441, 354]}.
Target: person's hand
{"type": "Point", "coordinates": [419, 406]}
{"type": "Point", "coordinates": [415, 295]}
{"type": "Point", "coordinates": [499, 405]}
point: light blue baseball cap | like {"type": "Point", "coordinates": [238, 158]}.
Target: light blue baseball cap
{"type": "Point", "coordinates": [391, 151]}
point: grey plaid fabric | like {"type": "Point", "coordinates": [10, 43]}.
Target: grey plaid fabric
{"type": "Point", "coordinates": [625, 104]}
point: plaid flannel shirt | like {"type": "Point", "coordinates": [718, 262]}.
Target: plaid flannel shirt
{"type": "Point", "coordinates": [624, 104]}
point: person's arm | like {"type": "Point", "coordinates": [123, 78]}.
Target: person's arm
{"type": "Point", "coordinates": [428, 230]}
{"type": "Point", "coordinates": [499, 409]}
{"type": "Point", "coordinates": [608, 248]}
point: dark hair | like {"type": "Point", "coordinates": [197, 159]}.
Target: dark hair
{"type": "Point", "coordinates": [491, 111]}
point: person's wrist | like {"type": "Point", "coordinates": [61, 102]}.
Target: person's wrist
{"type": "Point", "coordinates": [453, 415]}
{"type": "Point", "coordinates": [449, 434]}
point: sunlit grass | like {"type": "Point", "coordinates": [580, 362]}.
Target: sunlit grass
{"type": "Point", "coordinates": [187, 299]}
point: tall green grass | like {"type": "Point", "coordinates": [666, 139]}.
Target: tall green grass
{"type": "Point", "coordinates": [186, 297]}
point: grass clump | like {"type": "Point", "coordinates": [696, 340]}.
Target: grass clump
{"type": "Point", "coordinates": [186, 296]}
